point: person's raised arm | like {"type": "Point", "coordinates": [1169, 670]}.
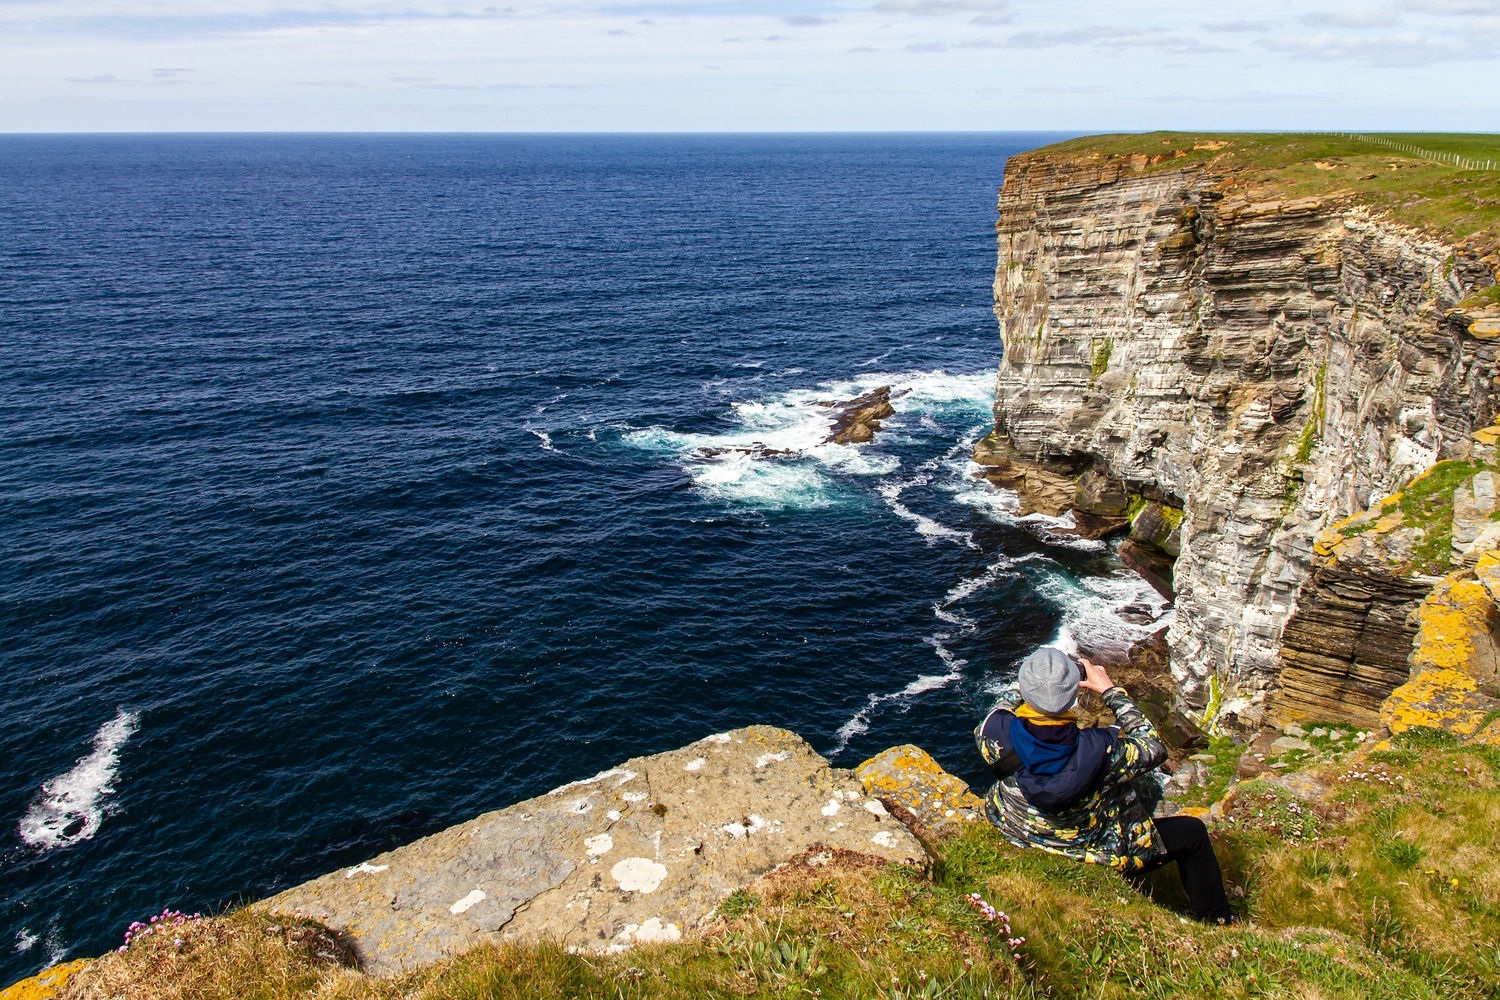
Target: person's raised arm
{"type": "Point", "coordinates": [1140, 749]}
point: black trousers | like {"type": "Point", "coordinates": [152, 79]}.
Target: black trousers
{"type": "Point", "coordinates": [1186, 841]}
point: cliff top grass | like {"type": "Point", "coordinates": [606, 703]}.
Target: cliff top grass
{"type": "Point", "coordinates": [1382, 885]}
{"type": "Point", "coordinates": [1413, 181]}
{"type": "Point", "coordinates": [1424, 505]}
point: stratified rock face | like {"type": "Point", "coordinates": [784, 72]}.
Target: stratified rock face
{"type": "Point", "coordinates": [642, 852]}
{"type": "Point", "coordinates": [1346, 647]}
{"type": "Point", "coordinates": [1274, 364]}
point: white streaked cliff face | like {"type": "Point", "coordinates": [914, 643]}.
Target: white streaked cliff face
{"type": "Point", "coordinates": [1274, 365]}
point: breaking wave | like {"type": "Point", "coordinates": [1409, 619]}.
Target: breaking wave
{"type": "Point", "coordinates": [776, 455]}
{"type": "Point", "coordinates": [70, 807]}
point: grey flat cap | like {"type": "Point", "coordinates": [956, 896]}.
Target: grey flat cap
{"type": "Point", "coordinates": [1049, 680]}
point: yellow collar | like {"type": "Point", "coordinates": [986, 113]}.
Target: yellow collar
{"type": "Point", "coordinates": [1031, 715]}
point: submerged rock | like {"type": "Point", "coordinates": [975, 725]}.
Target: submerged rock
{"type": "Point", "coordinates": [642, 852]}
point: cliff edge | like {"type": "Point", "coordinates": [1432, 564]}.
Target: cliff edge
{"type": "Point", "coordinates": [1246, 339]}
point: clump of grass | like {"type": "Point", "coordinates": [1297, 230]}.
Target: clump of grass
{"type": "Point", "coordinates": [1100, 363]}
{"type": "Point", "coordinates": [244, 954]}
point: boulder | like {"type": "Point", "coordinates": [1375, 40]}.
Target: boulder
{"type": "Point", "coordinates": [1153, 565]}
{"type": "Point", "coordinates": [1159, 525]}
{"type": "Point", "coordinates": [1094, 526]}
{"type": "Point", "coordinates": [916, 788]}
{"type": "Point", "coordinates": [1473, 504]}
{"type": "Point", "coordinates": [642, 852]}
{"type": "Point", "coordinates": [855, 421]}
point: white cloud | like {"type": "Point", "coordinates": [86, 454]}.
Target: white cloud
{"type": "Point", "coordinates": [943, 8]}
{"type": "Point", "coordinates": [1405, 49]}
{"type": "Point", "coordinates": [1358, 17]}
{"type": "Point", "coordinates": [1236, 26]}
{"type": "Point", "coordinates": [779, 64]}
{"type": "Point", "coordinates": [1453, 7]}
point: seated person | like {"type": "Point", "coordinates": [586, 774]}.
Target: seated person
{"type": "Point", "coordinates": [1068, 790]}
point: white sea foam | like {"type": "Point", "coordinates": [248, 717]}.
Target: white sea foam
{"type": "Point", "coordinates": [926, 526]}
{"type": "Point", "coordinates": [543, 437]}
{"type": "Point", "coordinates": [1104, 615]}
{"type": "Point", "coordinates": [776, 454]}
{"type": "Point", "coordinates": [953, 666]}
{"type": "Point", "coordinates": [24, 940]}
{"type": "Point", "coordinates": [70, 807]}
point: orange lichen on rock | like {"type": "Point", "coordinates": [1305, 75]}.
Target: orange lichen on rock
{"type": "Point", "coordinates": [1454, 654]}
{"type": "Point", "coordinates": [45, 984]}
{"type": "Point", "coordinates": [907, 776]}
{"type": "Point", "coordinates": [1453, 628]}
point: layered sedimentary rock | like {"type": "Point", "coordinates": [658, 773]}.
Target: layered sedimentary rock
{"type": "Point", "coordinates": [1274, 365]}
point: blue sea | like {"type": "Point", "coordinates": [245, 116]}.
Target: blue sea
{"type": "Point", "coordinates": [355, 485]}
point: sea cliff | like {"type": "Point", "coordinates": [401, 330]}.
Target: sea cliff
{"type": "Point", "coordinates": [1247, 339]}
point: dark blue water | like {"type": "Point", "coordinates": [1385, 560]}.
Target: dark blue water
{"type": "Point", "coordinates": [355, 485]}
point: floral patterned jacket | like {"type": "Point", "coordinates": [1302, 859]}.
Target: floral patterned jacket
{"type": "Point", "coordinates": [1107, 825]}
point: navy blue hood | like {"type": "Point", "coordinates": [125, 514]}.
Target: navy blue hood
{"type": "Point", "coordinates": [1079, 776]}
{"type": "Point", "coordinates": [1077, 758]}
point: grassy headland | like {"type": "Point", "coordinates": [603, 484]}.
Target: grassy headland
{"type": "Point", "coordinates": [1421, 190]}
{"type": "Point", "coordinates": [1367, 873]}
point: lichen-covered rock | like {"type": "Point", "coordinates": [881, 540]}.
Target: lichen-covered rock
{"type": "Point", "coordinates": [908, 777]}
{"type": "Point", "coordinates": [45, 984]}
{"type": "Point", "coordinates": [1455, 661]}
{"type": "Point", "coordinates": [642, 852]}
{"type": "Point", "coordinates": [1276, 364]}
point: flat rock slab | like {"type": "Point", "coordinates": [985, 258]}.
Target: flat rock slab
{"type": "Point", "coordinates": [641, 852]}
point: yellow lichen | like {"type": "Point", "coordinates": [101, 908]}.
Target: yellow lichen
{"type": "Point", "coordinates": [908, 776]}
{"type": "Point", "coordinates": [1452, 646]}
{"type": "Point", "coordinates": [1450, 622]}
{"type": "Point", "coordinates": [45, 984]}
{"type": "Point", "coordinates": [1439, 699]}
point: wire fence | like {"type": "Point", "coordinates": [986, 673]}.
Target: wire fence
{"type": "Point", "coordinates": [1462, 162]}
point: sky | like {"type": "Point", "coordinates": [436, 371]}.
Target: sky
{"type": "Point", "coordinates": [778, 65]}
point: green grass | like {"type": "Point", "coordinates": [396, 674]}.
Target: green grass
{"type": "Point", "coordinates": [1100, 362]}
{"type": "Point", "coordinates": [1431, 195]}
{"type": "Point", "coordinates": [1221, 772]}
{"type": "Point", "coordinates": [1384, 887]}
{"type": "Point", "coordinates": [1425, 504]}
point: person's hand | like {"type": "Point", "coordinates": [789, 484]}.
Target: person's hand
{"type": "Point", "coordinates": [1095, 679]}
